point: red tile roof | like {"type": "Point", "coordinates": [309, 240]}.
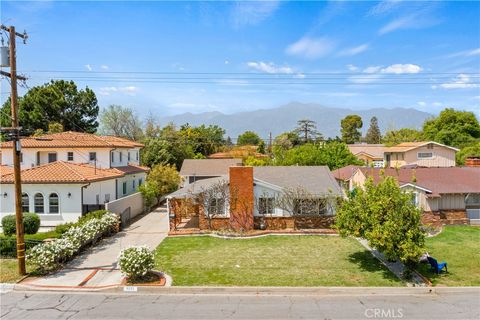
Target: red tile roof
{"type": "Point", "coordinates": [70, 139]}
{"type": "Point", "coordinates": [345, 173]}
{"type": "Point", "coordinates": [5, 170]}
{"type": "Point", "coordinates": [132, 168]}
{"type": "Point", "coordinates": [437, 180]}
{"type": "Point", "coordinates": [64, 172]}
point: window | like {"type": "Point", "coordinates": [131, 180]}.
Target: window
{"type": "Point", "coordinates": [39, 206]}
{"type": "Point", "coordinates": [124, 188]}
{"type": "Point", "coordinates": [52, 157]}
{"type": "Point", "coordinates": [107, 197]}
{"type": "Point", "coordinates": [21, 157]}
{"type": "Point", "coordinates": [314, 206]}
{"type": "Point", "coordinates": [136, 155]}
{"type": "Point", "coordinates": [121, 156]}
{"type": "Point", "coordinates": [70, 156]}
{"type": "Point", "coordinates": [415, 198]}
{"type": "Point", "coordinates": [92, 156]}
{"type": "Point", "coordinates": [140, 181]}
{"type": "Point", "coordinates": [266, 205]}
{"type": "Point", "coordinates": [97, 199]}
{"type": "Point", "coordinates": [128, 155]}
{"type": "Point", "coordinates": [53, 203]}
{"type": "Point", "coordinates": [216, 207]}
{"type": "Point", "coordinates": [112, 156]}
{"type": "Point", "coordinates": [25, 203]}
{"type": "Point", "coordinates": [133, 184]}
{"type": "Point", "coordinates": [425, 155]}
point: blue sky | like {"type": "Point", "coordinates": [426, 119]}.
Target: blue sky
{"type": "Point", "coordinates": [175, 57]}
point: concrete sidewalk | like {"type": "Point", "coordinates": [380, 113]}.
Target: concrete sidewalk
{"type": "Point", "coordinates": [97, 267]}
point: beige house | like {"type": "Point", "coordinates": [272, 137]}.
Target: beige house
{"type": "Point", "coordinates": [422, 154]}
{"type": "Point", "coordinates": [436, 190]}
{"type": "Point", "coordinates": [371, 154]}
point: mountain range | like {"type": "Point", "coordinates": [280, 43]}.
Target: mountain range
{"type": "Point", "coordinates": [284, 118]}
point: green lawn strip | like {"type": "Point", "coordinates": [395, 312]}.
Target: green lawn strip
{"type": "Point", "coordinates": [9, 271]}
{"type": "Point", "coordinates": [459, 246]}
{"type": "Point", "coordinates": [271, 261]}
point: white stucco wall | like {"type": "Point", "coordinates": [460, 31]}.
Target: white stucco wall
{"type": "Point", "coordinates": [70, 208]}
{"type": "Point", "coordinates": [133, 201]}
{"type": "Point", "coordinates": [125, 160]}
{"type": "Point", "coordinates": [100, 188]}
{"type": "Point", "coordinates": [131, 187]}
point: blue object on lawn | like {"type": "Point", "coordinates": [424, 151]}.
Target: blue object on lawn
{"type": "Point", "coordinates": [437, 267]}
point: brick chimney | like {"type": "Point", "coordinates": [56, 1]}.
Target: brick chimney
{"type": "Point", "coordinates": [472, 162]}
{"type": "Point", "coordinates": [241, 198]}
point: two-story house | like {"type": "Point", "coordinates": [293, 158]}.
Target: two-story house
{"type": "Point", "coordinates": [65, 175]}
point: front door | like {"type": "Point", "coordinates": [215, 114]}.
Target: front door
{"type": "Point", "coordinates": [387, 159]}
{"type": "Point", "coordinates": [52, 157]}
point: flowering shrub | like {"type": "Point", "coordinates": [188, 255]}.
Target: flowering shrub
{"type": "Point", "coordinates": [48, 256]}
{"type": "Point", "coordinates": [135, 262]}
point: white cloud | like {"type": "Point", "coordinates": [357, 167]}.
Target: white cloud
{"type": "Point", "coordinates": [252, 12]}
{"type": "Point", "coordinates": [226, 62]}
{"type": "Point", "coordinates": [400, 23]}
{"type": "Point", "coordinates": [352, 67]}
{"type": "Point", "coordinates": [269, 67]}
{"type": "Point", "coordinates": [372, 69]}
{"type": "Point", "coordinates": [365, 78]}
{"type": "Point", "coordinates": [104, 67]}
{"type": "Point", "coordinates": [462, 81]}
{"type": "Point", "coordinates": [437, 104]}
{"type": "Point", "coordinates": [383, 7]}
{"type": "Point", "coordinates": [88, 67]}
{"type": "Point", "coordinates": [354, 50]}
{"type": "Point", "coordinates": [311, 48]}
{"type": "Point", "coordinates": [466, 53]}
{"type": "Point", "coordinates": [128, 90]}
{"type": "Point", "coordinates": [402, 68]}
{"type": "Point", "coordinates": [422, 103]}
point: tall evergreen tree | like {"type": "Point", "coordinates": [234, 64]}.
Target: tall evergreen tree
{"type": "Point", "coordinates": [307, 130]}
{"type": "Point", "coordinates": [351, 126]}
{"type": "Point", "coordinates": [374, 135]}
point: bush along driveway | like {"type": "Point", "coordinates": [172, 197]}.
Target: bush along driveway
{"type": "Point", "coordinates": [271, 261]}
{"type": "Point", "coordinates": [459, 246]}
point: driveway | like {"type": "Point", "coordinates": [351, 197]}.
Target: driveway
{"type": "Point", "coordinates": [97, 267]}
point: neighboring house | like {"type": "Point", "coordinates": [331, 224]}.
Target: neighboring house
{"type": "Point", "coordinates": [65, 175]}
{"type": "Point", "coordinates": [197, 169]}
{"type": "Point", "coordinates": [422, 154]}
{"type": "Point", "coordinates": [282, 197]}
{"type": "Point", "coordinates": [450, 192]}
{"type": "Point", "coordinates": [344, 175]}
{"type": "Point", "coordinates": [371, 154]}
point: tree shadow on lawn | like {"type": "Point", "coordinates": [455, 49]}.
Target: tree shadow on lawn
{"type": "Point", "coordinates": [368, 263]}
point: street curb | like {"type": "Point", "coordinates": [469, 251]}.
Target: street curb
{"type": "Point", "coordinates": [263, 291]}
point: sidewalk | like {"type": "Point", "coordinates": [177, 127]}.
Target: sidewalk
{"type": "Point", "coordinates": [97, 268]}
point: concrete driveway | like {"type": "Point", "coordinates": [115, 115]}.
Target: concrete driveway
{"type": "Point", "coordinates": [97, 267]}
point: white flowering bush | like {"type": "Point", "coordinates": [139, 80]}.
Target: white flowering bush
{"type": "Point", "coordinates": [135, 262]}
{"type": "Point", "coordinates": [47, 256]}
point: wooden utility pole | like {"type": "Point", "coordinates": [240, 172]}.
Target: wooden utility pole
{"type": "Point", "coordinates": [15, 133]}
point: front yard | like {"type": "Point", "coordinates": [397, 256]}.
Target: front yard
{"type": "Point", "coordinates": [459, 246]}
{"type": "Point", "coordinates": [271, 261]}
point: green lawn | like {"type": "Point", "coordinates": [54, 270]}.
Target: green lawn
{"type": "Point", "coordinates": [8, 270]}
{"type": "Point", "coordinates": [271, 261]}
{"type": "Point", "coordinates": [459, 246]}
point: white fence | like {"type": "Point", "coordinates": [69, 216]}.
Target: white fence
{"type": "Point", "coordinates": [133, 204]}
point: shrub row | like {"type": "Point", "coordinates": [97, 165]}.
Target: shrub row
{"type": "Point", "coordinates": [31, 223]}
{"type": "Point", "coordinates": [49, 255]}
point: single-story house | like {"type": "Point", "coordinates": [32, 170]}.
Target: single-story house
{"type": "Point", "coordinates": [423, 154]}
{"type": "Point", "coordinates": [276, 197]}
{"type": "Point", "coordinates": [344, 175]}
{"type": "Point", "coordinates": [197, 169]}
{"type": "Point", "coordinates": [371, 154]}
{"type": "Point", "coordinates": [451, 192]}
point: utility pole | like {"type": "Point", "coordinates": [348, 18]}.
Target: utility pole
{"type": "Point", "coordinates": [15, 134]}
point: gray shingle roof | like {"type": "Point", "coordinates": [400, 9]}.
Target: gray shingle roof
{"type": "Point", "coordinates": [208, 167]}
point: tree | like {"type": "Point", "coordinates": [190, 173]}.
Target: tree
{"type": "Point", "coordinates": [453, 127]}
{"type": "Point", "coordinates": [374, 135]}
{"type": "Point", "coordinates": [214, 199]}
{"type": "Point", "coordinates": [386, 217]}
{"type": "Point", "coordinates": [287, 140]}
{"type": "Point", "coordinates": [55, 127]}
{"type": "Point", "coordinates": [307, 130]}
{"type": "Point", "coordinates": [393, 137]}
{"type": "Point", "coordinates": [351, 126]}
{"type": "Point", "coordinates": [204, 140]}
{"type": "Point", "coordinates": [248, 138]}
{"type": "Point", "coordinates": [261, 147]}
{"type": "Point", "coordinates": [162, 180]}
{"type": "Point", "coordinates": [57, 101]}
{"type": "Point", "coordinates": [472, 150]}
{"type": "Point", "coordinates": [121, 122]}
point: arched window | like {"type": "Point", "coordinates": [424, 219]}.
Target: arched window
{"type": "Point", "coordinates": [53, 203]}
{"type": "Point", "coordinates": [39, 205]}
{"type": "Point", "coordinates": [25, 203]}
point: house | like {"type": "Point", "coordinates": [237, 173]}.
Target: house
{"type": "Point", "coordinates": [275, 197]}
{"type": "Point", "coordinates": [371, 154]}
{"type": "Point", "coordinates": [344, 175]}
{"type": "Point", "coordinates": [448, 193]}
{"type": "Point", "coordinates": [65, 175]}
{"type": "Point", "coordinates": [197, 169]}
{"type": "Point", "coordinates": [423, 154]}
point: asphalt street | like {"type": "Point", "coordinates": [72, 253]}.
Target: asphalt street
{"type": "Point", "coordinates": [241, 305]}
